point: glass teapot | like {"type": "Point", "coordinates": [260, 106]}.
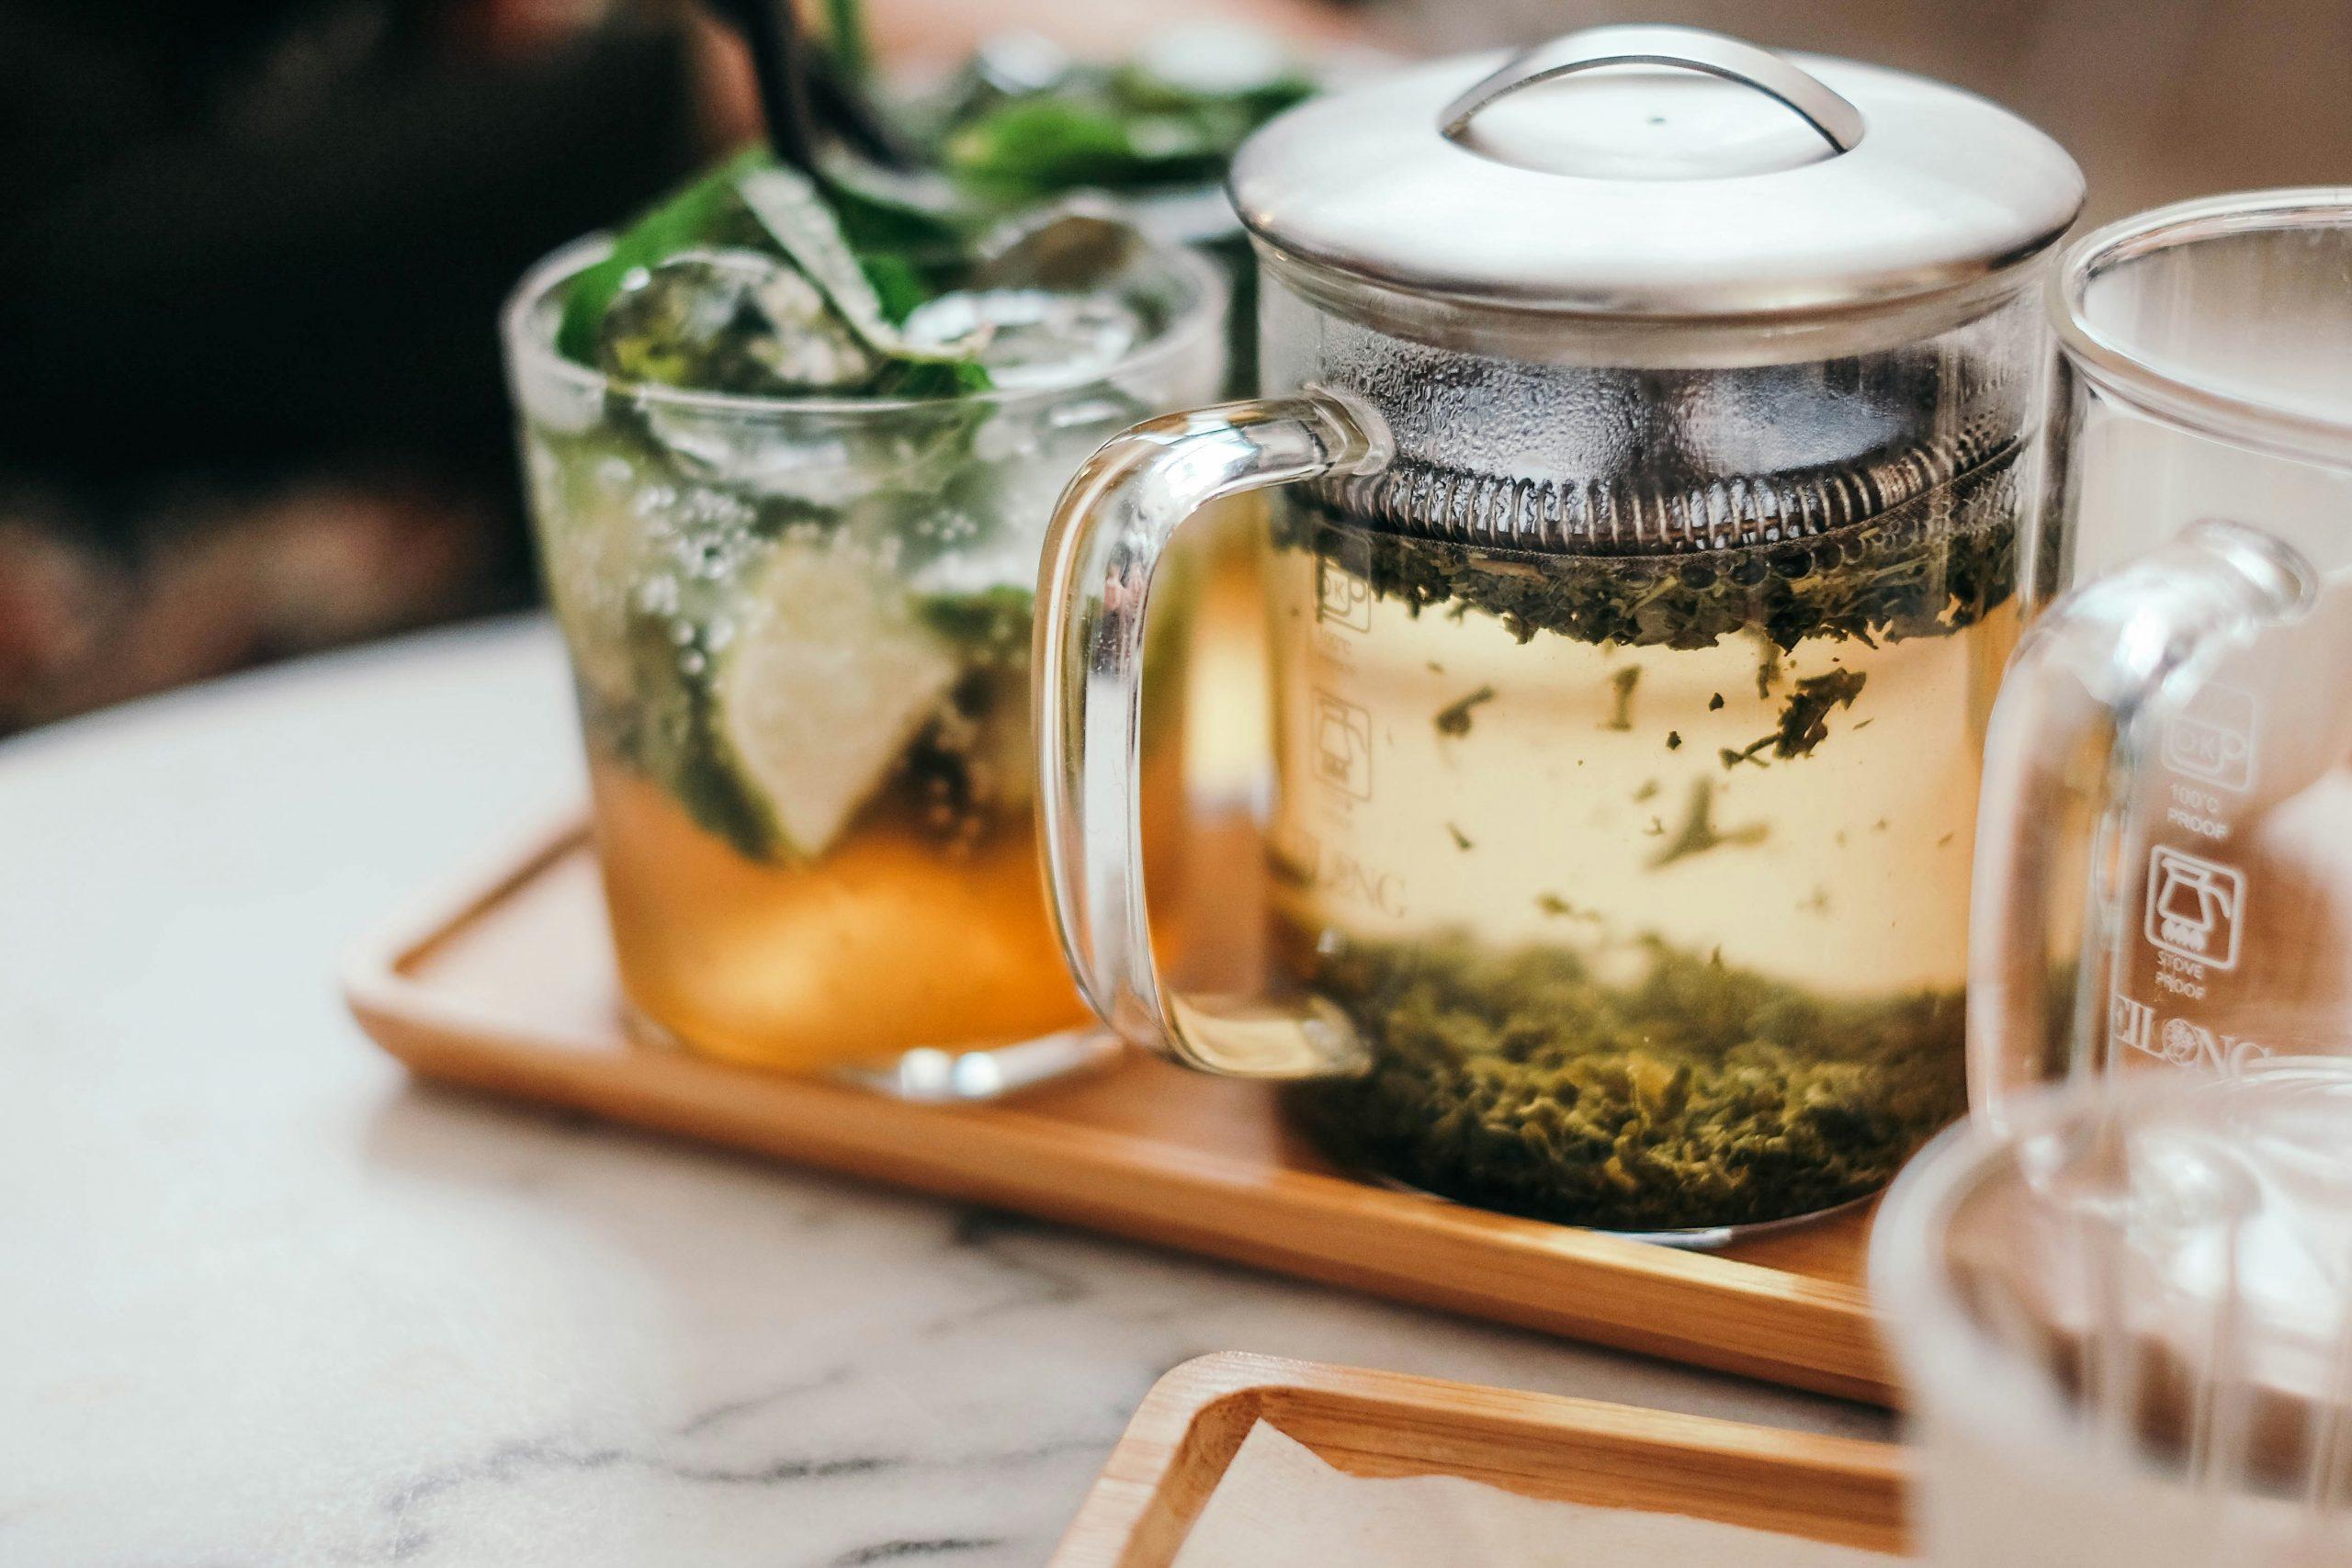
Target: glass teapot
{"type": "Point", "coordinates": [2164, 874]}
{"type": "Point", "coordinates": [1653, 406]}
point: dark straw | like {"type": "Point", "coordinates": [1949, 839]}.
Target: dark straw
{"type": "Point", "coordinates": [799, 82]}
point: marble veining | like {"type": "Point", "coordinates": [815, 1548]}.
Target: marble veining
{"type": "Point", "coordinates": [264, 1302]}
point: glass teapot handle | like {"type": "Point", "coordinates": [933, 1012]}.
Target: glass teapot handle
{"type": "Point", "coordinates": [2083, 701]}
{"type": "Point", "coordinates": [1107, 535]}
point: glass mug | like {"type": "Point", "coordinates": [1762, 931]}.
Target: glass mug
{"type": "Point", "coordinates": [1630, 653]}
{"type": "Point", "coordinates": [800, 632]}
{"type": "Point", "coordinates": [2164, 874]}
{"type": "Point", "coordinates": [2123, 1314]}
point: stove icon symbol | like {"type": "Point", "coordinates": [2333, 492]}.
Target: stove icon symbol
{"type": "Point", "coordinates": [2194, 907]}
{"type": "Point", "coordinates": [1343, 746]}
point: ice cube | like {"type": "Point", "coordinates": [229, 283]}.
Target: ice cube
{"type": "Point", "coordinates": [1078, 243]}
{"type": "Point", "coordinates": [731, 321]}
{"type": "Point", "coordinates": [1037, 337]}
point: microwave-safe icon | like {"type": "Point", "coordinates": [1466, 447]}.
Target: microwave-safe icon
{"type": "Point", "coordinates": [1343, 746]}
{"type": "Point", "coordinates": [2194, 907]}
{"type": "Point", "coordinates": [1341, 598]}
{"type": "Point", "coordinates": [2213, 737]}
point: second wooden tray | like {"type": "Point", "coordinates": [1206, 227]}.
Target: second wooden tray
{"type": "Point", "coordinates": [507, 984]}
{"type": "Point", "coordinates": [1186, 1432]}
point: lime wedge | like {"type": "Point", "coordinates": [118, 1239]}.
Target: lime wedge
{"type": "Point", "coordinates": [818, 685]}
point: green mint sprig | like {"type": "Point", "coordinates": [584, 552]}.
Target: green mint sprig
{"type": "Point", "coordinates": [697, 214]}
{"type": "Point", "coordinates": [795, 216]}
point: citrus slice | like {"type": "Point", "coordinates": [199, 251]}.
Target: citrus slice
{"type": "Point", "coordinates": [820, 682]}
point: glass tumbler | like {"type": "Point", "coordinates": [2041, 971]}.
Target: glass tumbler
{"type": "Point", "coordinates": [799, 631]}
{"type": "Point", "coordinates": [2164, 870]}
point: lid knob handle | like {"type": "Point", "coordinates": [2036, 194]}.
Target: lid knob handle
{"type": "Point", "coordinates": [1692, 48]}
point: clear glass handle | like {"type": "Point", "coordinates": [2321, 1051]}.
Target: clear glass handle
{"type": "Point", "coordinates": [2084, 695]}
{"type": "Point", "coordinates": [1109, 530]}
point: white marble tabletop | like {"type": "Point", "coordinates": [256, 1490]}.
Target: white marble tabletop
{"type": "Point", "coordinates": [263, 1301]}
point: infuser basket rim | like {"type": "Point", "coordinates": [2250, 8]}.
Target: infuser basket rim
{"type": "Point", "coordinates": [1630, 524]}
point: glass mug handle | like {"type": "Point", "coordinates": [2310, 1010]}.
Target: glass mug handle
{"type": "Point", "coordinates": [2080, 705]}
{"type": "Point", "coordinates": [1108, 532]}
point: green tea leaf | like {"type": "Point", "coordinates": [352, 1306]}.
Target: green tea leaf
{"type": "Point", "coordinates": [1892, 579]}
{"type": "Point", "coordinates": [1454, 720]}
{"type": "Point", "coordinates": [1705, 1092]}
{"type": "Point", "coordinates": [1620, 699]}
{"type": "Point", "coordinates": [1804, 716]}
{"type": "Point", "coordinates": [1699, 833]}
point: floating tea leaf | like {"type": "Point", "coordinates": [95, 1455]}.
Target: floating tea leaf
{"type": "Point", "coordinates": [1454, 720]}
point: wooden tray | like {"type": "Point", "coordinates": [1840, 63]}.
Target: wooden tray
{"type": "Point", "coordinates": [1385, 1424]}
{"type": "Point", "coordinates": [507, 984]}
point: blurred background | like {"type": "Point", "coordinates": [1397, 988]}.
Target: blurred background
{"type": "Point", "coordinates": [252, 254]}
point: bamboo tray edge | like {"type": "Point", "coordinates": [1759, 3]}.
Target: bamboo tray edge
{"type": "Point", "coordinates": [1185, 1433]}
{"type": "Point", "coordinates": [1037, 1156]}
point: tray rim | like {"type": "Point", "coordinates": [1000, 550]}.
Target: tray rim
{"type": "Point", "coordinates": [1177, 1445]}
{"type": "Point", "coordinates": [1799, 1330]}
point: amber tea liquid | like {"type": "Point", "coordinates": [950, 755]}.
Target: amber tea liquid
{"type": "Point", "coordinates": [812, 763]}
{"type": "Point", "coordinates": [1643, 936]}
{"type": "Point", "coordinates": [892, 941]}
{"type": "Point", "coordinates": [1559, 792]}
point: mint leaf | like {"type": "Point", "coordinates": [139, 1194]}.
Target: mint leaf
{"type": "Point", "coordinates": [748, 201]}
{"type": "Point", "coordinates": [933, 379]}
{"type": "Point", "coordinates": [897, 284]}
{"type": "Point", "coordinates": [789, 206]}
{"type": "Point", "coordinates": [1033, 145]}
{"type": "Point", "coordinates": [1122, 130]}
{"type": "Point", "coordinates": [912, 213]}
{"type": "Point", "coordinates": [694, 215]}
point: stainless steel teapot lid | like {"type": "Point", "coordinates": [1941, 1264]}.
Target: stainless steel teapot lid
{"type": "Point", "coordinates": [1656, 172]}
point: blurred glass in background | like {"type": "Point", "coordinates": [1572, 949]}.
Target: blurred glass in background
{"type": "Point", "coordinates": [252, 254]}
{"type": "Point", "coordinates": [248, 261]}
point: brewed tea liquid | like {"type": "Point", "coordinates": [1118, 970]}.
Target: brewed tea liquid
{"type": "Point", "coordinates": [897, 939]}
{"type": "Point", "coordinates": [1643, 936]}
